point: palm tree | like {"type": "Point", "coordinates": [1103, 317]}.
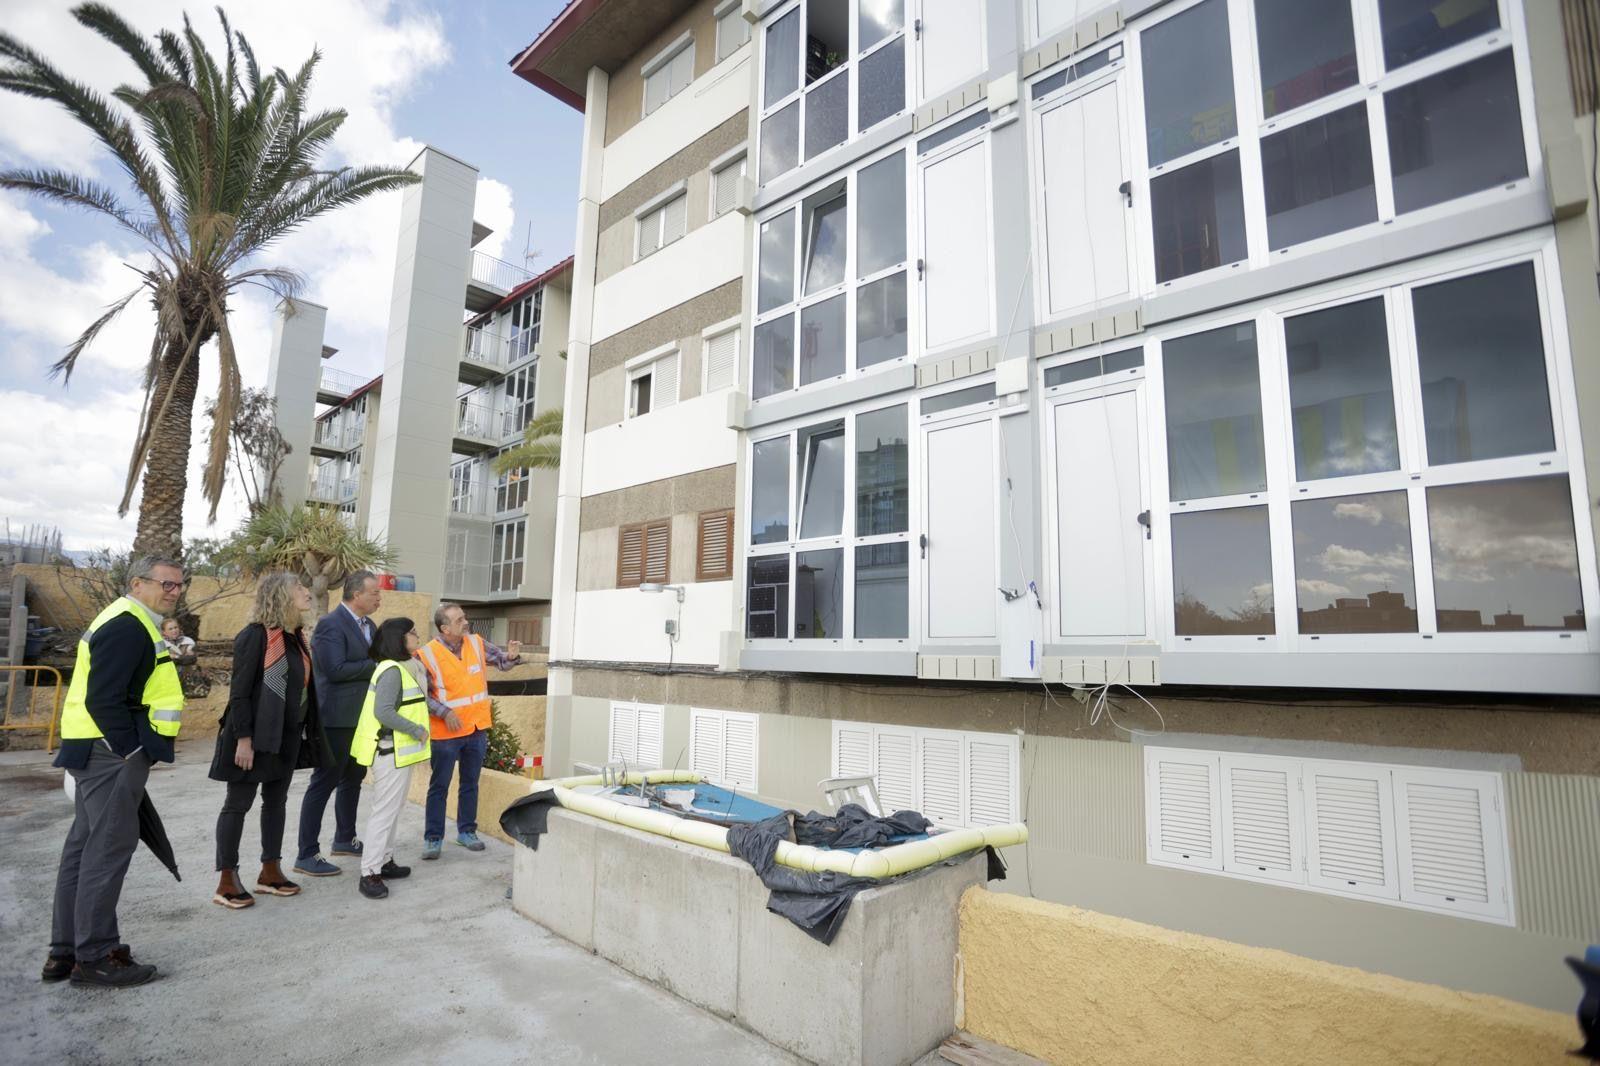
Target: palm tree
{"type": "Point", "coordinates": [540, 448]}
{"type": "Point", "coordinates": [221, 162]}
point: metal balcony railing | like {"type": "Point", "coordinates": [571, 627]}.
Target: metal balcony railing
{"type": "Point", "coordinates": [328, 434]}
{"type": "Point", "coordinates": [353, 434]}
{"type": "Point", "coordinates": [325, 490]}
{"type": "Point", "coordinates": [474, 418]}
{"type": "Point", "coordinates": [470, 497]}
{"type": "Point", "coordinates": [497, 273]}
{"type": "Point", "coordinates": [340, 382]}
{"type": "Point", "coordinates": [483, 345]}
{"type": "Point", "coordinates": [348, 488]}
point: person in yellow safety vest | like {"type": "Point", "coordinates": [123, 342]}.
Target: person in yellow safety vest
{"type": "Point", "coordinates": [123, 709]}
{"type": "Point", "coordinates": [458, 664]}
{"type": "Point", "coordinates": [391, 737]}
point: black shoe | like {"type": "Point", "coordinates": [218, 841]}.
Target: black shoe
{"type": "Point", "coordinates": [373, 887]}
{"type": "Point", "coordinates": [57, 968]}
{"type": "Point", "coordinates": [394, 872]}
{"type": "Point", "coordinates": [116, 970]}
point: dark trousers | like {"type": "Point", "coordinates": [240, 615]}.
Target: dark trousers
{"type": "Point", "coordinates": [230, 823]}
{"type": "Point", "coordinates": [104, 834]}
{"type": "Point", "coordinates": [469, 752]}
{"type": "Point", "coordinates": [344, 776]}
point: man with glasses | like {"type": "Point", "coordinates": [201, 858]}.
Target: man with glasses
{"type": "Point", "coordinates": [123, 709]}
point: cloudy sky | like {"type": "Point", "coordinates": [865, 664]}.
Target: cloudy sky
{"type": "Point", "coordinates": [408, 73]}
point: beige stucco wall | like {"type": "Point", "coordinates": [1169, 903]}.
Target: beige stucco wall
{"type": "Point", "coordinates": [496, 792]}
{"type": "Point", "coordinates": [1073, 986]}
{"type": "Point", "coordinates": [625, 100]}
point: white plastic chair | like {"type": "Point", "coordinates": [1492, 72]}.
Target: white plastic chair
{"type": "Point", "coordinates": [858, 790]}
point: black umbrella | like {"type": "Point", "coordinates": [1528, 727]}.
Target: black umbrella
{"type": "Point", "coordinates": [154, 834]}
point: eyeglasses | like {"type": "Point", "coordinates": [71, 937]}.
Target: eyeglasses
{"type": "Point", "coordinates": [166, 586]}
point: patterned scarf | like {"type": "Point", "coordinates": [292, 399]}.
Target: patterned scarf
{"type": "Point", "coordinates": [275, 667]}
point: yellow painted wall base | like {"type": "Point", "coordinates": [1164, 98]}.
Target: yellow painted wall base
{"type": "Point", "coordinates": [496, 792]}
{"type": "Point", "coordinates": [1073, 986]}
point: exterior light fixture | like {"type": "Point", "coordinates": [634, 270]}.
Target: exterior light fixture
{"type": "Point", "coordinates": [656, 586]}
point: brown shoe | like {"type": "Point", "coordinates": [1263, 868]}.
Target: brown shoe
{"type": "Point", "coordinates": [271, 881]}
{"type": "Point", "coordinates": [57, 968]}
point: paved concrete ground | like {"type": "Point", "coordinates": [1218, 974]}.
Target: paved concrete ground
{"type": "Point", "coordinates": [442, 970]}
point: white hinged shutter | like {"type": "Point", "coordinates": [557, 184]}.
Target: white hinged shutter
{"type": "Point", "coordinates": [739, 747]}
{"type": "Point", "coordinates": [939, 766]}
{"type": "Point", "coordinates": [852, 750]}
{"type": "Point", "coordinates": [664, 389]}
{"type": "Point", "coordinates": [674, 219]}
{"type": "Point", "coordinates": [1350, 828]}
{"type": "Point", "coordinates": [1182, 801]}
{"type": "Point", "coordinates": [705, 744]}
{"type": "Point", "coordinates": [1262, 822]}
{"type": "Point", "coordinates": [895, 766]}
{"type": "Point", "coordinates": [725, 187]}
{"type": "Point", "coordinates": [721, 354]}
{"type": "Point", "coordinates": [648, 750]}
{"type": "Point", "coordinates": [1450, 841]}
{"type": "Point", "coordinates": [649, 233]}
{"type": "Point", "coordinates": [623, 744]}
{"type": "Point", "coordinates": [991, 781]}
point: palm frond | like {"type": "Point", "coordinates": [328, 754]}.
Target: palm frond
{"type": "Point", "coordinates": [63, 367]}
{"type": "Point", "coordinates": [75, 191]}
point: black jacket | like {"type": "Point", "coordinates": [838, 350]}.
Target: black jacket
{"type": "Point", "coordinates": [121, 657]}
{"type": "Point", "coordinates": [279, 747]}
{"type": "Point", "coordinates": [343, 668]}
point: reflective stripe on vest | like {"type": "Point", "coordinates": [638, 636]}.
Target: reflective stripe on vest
{"type": "Point", "coordinates": [413, 708]}
{"type": "Point", "coordinates": [461, 684]}
{"type": "Point", "coordinates": [163, 691]}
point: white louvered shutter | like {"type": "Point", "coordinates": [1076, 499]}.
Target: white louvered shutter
{"type": "Point", "coordinates": [895, 769]}
{"type": "Point", "coordinates": [705, 744]}
{"type": "Point", "coordinates": [1350, 844]}
{"type": "Point", "coordinates": [648, 744]}
{"type": "Point", "coordinates": [939, 766]}
{"type": "Point", "coordinates": [623, 745]}
{"type": "Point", "coordinates": [664, 389]}
{"type": "Point", "coordinates": [1262, 822]}
{"type": "Point", "coordinates": [649, 233]}
{"type": "Point", "coordinates": [1182, 808]}
{"type": "Point", "coordinates": [852, 750]}
{"type": "Point", "coordinates": [991, 781]}
{"type": "Point", "coordinates": [1450, 841]}
{"type": "Point", "coordinates": [722, 360]}
{"type": "Point", "coordinates": [674, 219]}
{"type": "Point", "coordinates": [739, 747]}
{"type": "Point", "coordinates": [725, 187]}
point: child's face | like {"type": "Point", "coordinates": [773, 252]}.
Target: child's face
{"type": "Point", "coordinates": [171, 630]}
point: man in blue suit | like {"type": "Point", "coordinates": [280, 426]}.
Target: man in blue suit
{"type": "Point", "coordinates": [341, 669]}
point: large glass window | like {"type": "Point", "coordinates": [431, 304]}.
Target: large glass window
{"type": "Point", "coordinates": [819, 594]}
{"type": "Point", "coordinates": [1198, 217]}
{"type": "Point", "coordinates": [767, 597]}
{"type": "Point", "coordinates": [769, 491]}
{"type": "Point", "coordinates": [832, 290]}
{"type": "Point", "coordinates": [1318, 178]}
{"type": "Point", "coordinates": [1307, 49]}
{"type": "Point", "coordinates": [1188, 82]}
{"type": "Point", "coordinates": [1456, 132]}
{"type": "Point", "coordinates": [883, 575]}
{"type": "Point", "coordinates": [1505, 556]}
{"type": "Point", "coordinates": [883, 488]}
{"type": "Point", "coordinates": [1352, 564]}
{"type": "Point", "coordinates": [1222, 572]}
{"type": "Point", "coordinates": [1340, 392]}
{"type": "Point", "coordinates": [817, 81]}
{"type": "Point", "coordinates": [821, 489]}
{"type": "Point", "coordinates": [1480, 354]}
{"type": "Point", "coordinates": [509, 547]}
{"type": "Point", "coordinates": [1213, 392]}
{"type": "Point", "coordinates": [1413, 29]}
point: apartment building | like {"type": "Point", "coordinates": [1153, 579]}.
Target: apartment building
{"type": "Point", "coordinates": [1170, 422]}
{"type": "Point", "coordinates": [475, 350]}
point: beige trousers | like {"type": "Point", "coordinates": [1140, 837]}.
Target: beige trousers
{"type": "Point", "coordinates": [389, 786]}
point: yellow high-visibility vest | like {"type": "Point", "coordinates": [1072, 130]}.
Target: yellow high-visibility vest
{"type": "Point", "coordinates": [413, 707]}
{"type": "Point", "coordinates": [163, 692]}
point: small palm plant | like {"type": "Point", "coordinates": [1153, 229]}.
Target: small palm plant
{"type": "Point", "coordinates": [312, 541]}
{"type": "Point", "coordinates": [221, 161]}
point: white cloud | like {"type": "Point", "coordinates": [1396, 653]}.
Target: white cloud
{"type": "Point", "coordinates": [65, 453]}
{"type": "Point", "coordinates": [1360, 511]}
{"type": "Point", "coordinates": [1317, 587]}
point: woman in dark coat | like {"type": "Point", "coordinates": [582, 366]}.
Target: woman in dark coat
{"type": "Point", "coordinates": [269, 729]}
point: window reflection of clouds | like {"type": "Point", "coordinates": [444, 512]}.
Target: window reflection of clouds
{"type": "Point", "coordinates": [1222, 572]}
{"type": "Point", "coordinates": [1353, 569]}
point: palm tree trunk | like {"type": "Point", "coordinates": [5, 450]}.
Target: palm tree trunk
{"type": "Point", "coordinates": [166, 470]}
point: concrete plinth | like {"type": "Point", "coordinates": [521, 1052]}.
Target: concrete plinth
{"type": "Point", "coordinates": [696, 922]}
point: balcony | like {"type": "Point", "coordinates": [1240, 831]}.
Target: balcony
{"type": "Point", "coordinates": [483, 355]}
{"type": "Point", "coordinates": [475, 424]}
{"type": "Point", "coordinates": [335, 386]}
{"type": "Point", "coordinates": [348, 489]}
{"type": "Point", "coordinates": [324, 490]}
{"type": "Point", "coordinates": [490, 280]}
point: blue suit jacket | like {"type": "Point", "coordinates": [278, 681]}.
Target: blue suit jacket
{"type": "Point", "coordinates": [342, 669]}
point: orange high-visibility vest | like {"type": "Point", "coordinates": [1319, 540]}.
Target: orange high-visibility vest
{"type": "Point", "coordinates": [462, 684]}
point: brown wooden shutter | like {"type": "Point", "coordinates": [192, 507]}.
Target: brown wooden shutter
{"type": "Point", "coordinates": [715, 546]}
{"type": "Point", "coordinates": [657, 551]}
{"type": "Point", "coordinates": [630, 556]}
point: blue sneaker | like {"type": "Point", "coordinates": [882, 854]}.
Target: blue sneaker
{"type": "Point", "coordinates": [431, 848]}
{"type": "Point", "coordinates": [352, 847]}
{"type": "Point", "coordinates": [316, 866]}
{"type": "Point", "coordinates": [469, 841]}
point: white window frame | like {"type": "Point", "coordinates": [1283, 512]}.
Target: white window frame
{"type": "Point", "coordinates": [721, 12]}
{"type": "Point", "coordinates": [508, 551]}
{"type": "Point", "coordinates": [711, 333]}
{"type": "Point", "coordinates": [917, 737]}
{"type": "Point", "coordinates": [850, 287]}
{"type": "Point", "coordinates": [517, 411]}
{"type": "Point", "coordinates": [506, 486]}
{"type": "Point", "coordinates": [652, 214]}
{"type": "Point", "coordinates": [463, 478]}
{"type": "Point", "coordinates": [845, 540]}
{"type": "Point", "coordinates": [637, 715]}
{"type": "Point", "coordinates": [716, 760]}
{"type": "Point", "coordinates": [848, 69]}
{"type": "Point", "coordinates": [1371, 85]}
{"type": "Point", "coordinates": [661, 62]}
{"type": "Point", "coordinates": [1398, 888]}
{"type": "Point", "coordinates": [646, 365]}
